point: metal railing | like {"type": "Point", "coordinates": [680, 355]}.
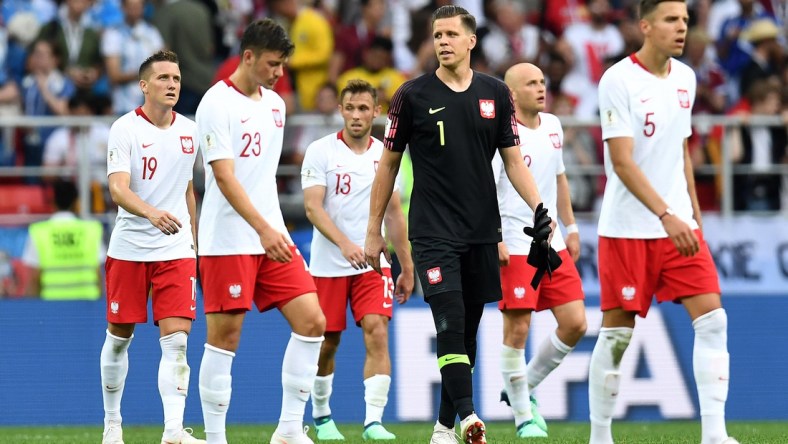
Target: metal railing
{"type": "Point", "coordinates": [292, 202]}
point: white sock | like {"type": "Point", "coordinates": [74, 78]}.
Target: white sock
{"type": "Point", "coordinates": [215, 391]}
{"type": "Point", "coordinates": [173, 381]}
{"type": "Point", "coordinates": [321, 394]}
{"type": "Point", "coordinates": [549, 355]}
{"type": "Point", "coordinates": [604, 379]}
{"type": "Point", "coordinates": [515, 382]}
{"type": "Point", "coordinates": [114, 363]}
{"type": "Point", "coordinates": [376, 395]}
{"type": "Point", "coordinates": [710, 362]}
{"type": "Point", "coordinates": [299, 368]}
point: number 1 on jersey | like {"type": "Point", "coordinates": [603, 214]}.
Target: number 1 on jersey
{"type": "Point", "coordinates": [440, 130]}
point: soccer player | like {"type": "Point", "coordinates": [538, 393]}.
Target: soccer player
{"type": "Point", "coordinates": [650, 238]}
{"type": "Point", "coordinates": [150, 158]}
{"type": "Point", "coordinates": [453, 120]}
{"type": "Point", "coordinates": [337, 176]}
{"type": "Point", "coordinates": [246, 252]}
{"type": "Point", "coordinates": [542, 138]}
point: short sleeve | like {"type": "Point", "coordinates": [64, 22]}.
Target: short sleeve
{"type": "Point", "coordinates": [399, 123]}
{"type": "Point", "coordinates": [213, 129]}
{"type": "Point", "coordinates": [560, 168]}
{"type": "Point", "coordinates": [313, 168]}
{"type": "Point", "coordinates": [507, 126]}
{"type": "Point", "coordinates": [614, 107]}
{"type": "Point", "coordinates": [119, 150]}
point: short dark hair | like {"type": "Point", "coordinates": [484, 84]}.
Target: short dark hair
{"type": "Point", "coordinates": [164, 55]}
{"type": "Point", "coordinates": [266, 35]}
{"type": "Point", "coordinates": [382, 42]}
{"type": "Point", "coordinates": [65, 193]}
{"type": "Point", "coordinates": [449, 11]}
{"type": "Point", "coordinates": [646, 7]}
{"type": "Point", "coordinates": [358, 86]}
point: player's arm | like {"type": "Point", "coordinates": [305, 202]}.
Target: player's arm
{"type": "Point", "coordinates": [276, 244]}
{"type": "Point", "coordinates": [382, 189]}
{"type": "Point", "coordinates": [500, 175]}
{"type": "Point", "coordinates": [318, 216]}
{"type": "Point", "coordinates": [120, 190]}
{"type": "Point", "coordinates": [690, 175]}
{"type": "Point", "coordinates": [567, 216]}
{"type": "Point", "coordinates": [522, 180]}
{"type": "Point", "coordinates": [637, 183]}
{"type": "Point", "coordinates": [191, 206]}
{"type": "Point", "coordinates": [397, 229]}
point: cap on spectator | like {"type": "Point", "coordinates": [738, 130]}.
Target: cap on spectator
{"type": "Point", "coordinates": [761, 29]}
{"type": "Point", "coordinates": [24, 27]}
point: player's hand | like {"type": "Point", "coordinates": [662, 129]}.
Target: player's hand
{"type": "Point", "coordinates": [354, 255]}
{"type": "Point", "coordinates": [276, 245]}
{"type": "Point", "coordinates": [164, 221]}
{"type": "Point", "coordinates": [681, 235]}
{"type": "Point", "coordinates": [573, 245]}
{"type": "Point", "coordinates": [503, 254]}
{"type": "Point", "coordinates": [404, 287]}
{"type": "Point", "coordinates": [542, 230]}
{"type": "Point", "coordinates": [374, 246]}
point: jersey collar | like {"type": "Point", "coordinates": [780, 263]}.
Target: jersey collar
{"type": "Point", "coordinates": [142, 114]}
{"type": "Point", "coordinates": [340, 137]}
{"type": "Point", "coordinates": [634, 58]}
{"type": "Point", "coordinates": [232, 85]}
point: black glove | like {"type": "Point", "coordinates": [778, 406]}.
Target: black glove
{"type": "Point", "coordinates": [540, 232]}
{"type": "Point", "coordinates": [541, 255]}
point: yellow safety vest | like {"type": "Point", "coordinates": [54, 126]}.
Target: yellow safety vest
{"type": "Point", "coordinates": [68, 252]}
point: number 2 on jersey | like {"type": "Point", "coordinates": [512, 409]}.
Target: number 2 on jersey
{"type": "Point", "coordinates": [440, 131]}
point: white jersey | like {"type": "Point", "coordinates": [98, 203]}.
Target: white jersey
{"type": "Point", "coordinates": [160, 163]}
{"type": "Point", "coordinates": [347, 177]}
{"type": "Point", "coordinates": [233, 126]}
{"type": "Point", "coordinates": [542, 151]}
{"type": "Point", "coordinates": [656, 113]}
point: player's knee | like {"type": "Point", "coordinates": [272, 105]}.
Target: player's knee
{"type": "Point", "coordinates": [515, 333]}
{"type": "Point", "coordinates": [376, 331]}
{"type": "Point", "coordinates": [571, 332]}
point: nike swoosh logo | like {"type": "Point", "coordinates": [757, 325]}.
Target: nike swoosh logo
{"type": "Point", "coordinates": [433, 111]}
{"type": "Point", "coordinates": [387, 305]}
{"type": "Point", "coordinates": [181, 389]}
{"type": "Point", "coordinates": [146, 145]}
{"type": "Point", "coordinates": [645, 100]}
{"type": "Point", "coordinates": [192, 307]}
{"type": "Point", "coordinates": [451, 359]}
{"type": "Point", "coordinates": [245, 120]}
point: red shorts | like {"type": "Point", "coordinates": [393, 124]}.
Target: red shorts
{"type": "Point", "coordinates": [368, 293]}
{"type": "Point", "coordinates": [564, 287]}
{"type": "Point", "coordinates": [631, 271]}
{"type": "Point", "coordinates": [171, 284]}
{"type": "Point", "coordinates": [231, 283]}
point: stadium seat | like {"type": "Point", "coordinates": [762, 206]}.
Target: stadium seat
{"type": "Point", "coordinates": [24, 199]}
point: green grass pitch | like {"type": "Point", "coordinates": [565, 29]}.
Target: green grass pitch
{"type": "Point", "coordinates": [564, 433]}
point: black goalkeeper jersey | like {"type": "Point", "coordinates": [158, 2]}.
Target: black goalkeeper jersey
{"type": "Point", "coordinates": [452, 137]}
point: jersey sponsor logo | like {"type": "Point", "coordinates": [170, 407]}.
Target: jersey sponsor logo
{"type": "Point", "coordinates": [187, 144]}
{"type": "Point", "coordinates": [434, 275]}
{"type": "Point", "coordinates": [246, 119]}
{"type": "Point", "coordinates": [684, 99]}
{"type": "Point", "coordinates": [277, 118]}
{"type": "Point", "coordinates": [519, 292]}
{"type": "Point", "coordinates": [235, 290]}
{"type": "Point", "coordinates": [114, 306]}
{"type": "Point", "coordinates": [487, 108]}
{"type": "Point", "coordinates": [436, 110]}
{"type": "Point", "coordinates": [556, 140]}
{"type": "Point", "coordinates": [146, 145]}
{"type": "Point", "coordinates": [644, 99]}
{"type": "Point", "coordinates": [628, 292]}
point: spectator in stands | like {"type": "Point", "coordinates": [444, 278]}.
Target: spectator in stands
{"type": "Point", "coordinates": [23, 28]}
{"type": "Point", "coordinates": [9, 100]}
{"type": "Point", "coordinates": [314, 43]}
{"type": "Point", "coordinates": [325, 119]}
{"type": "Point", "coordinates": [710, 97]}
{"type": "Point", "coordinates": [376, 68]}
{"type": "Point", "coordinates": [124, 48]}
{"type": "Point", "coordinates": [187, 29]}
{"type": "Point", "coordinates": [77, 43]}
{"type": "Point", "coordinates": [351, 40]}
{"type": "Point", "coordinates": [766, 54]}
{"type": "Point", "coordinates": [45, 92]}
{"type": "Point", "coordinates": [63, 148]}
{"type": "Point", "coordinates": [65, 253]}
{"type": "Point", "coordinates": [511, 40]}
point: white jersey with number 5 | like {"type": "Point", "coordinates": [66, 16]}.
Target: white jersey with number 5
{"type": "Point", "coordinates": [233, 126]}
{"type": "Point", "coordinates": [542, 151]}
{"type": "Point", "coordinates": [160, 163]}
{"type": "Point", "coordinates": [655, 112]}
{"type": "Point", "coordinates": [347, 177]}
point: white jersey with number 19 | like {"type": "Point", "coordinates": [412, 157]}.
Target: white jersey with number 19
{"type": "Point", "coordinates": [656, 113]}
{"type": "Point", "coordinates": [160, 163]}
{"type": "Point", "coordinates": [233, 126]}
{"type": "Point", "coordinates": [542, 151]}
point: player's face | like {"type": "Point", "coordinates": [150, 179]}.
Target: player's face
{"type": "Point", "coordinates": [163, 84]}
{"type": "Point", "coordinates": [358, 111]}
{"type": "Point", "coordinates": [267, 67]}
{"type": "Point", "coordinates": [452, 41]}
{"type": "Point", "coordinates": [666, 28]}
{"type": "Point", "coordinates": [530, 92]}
